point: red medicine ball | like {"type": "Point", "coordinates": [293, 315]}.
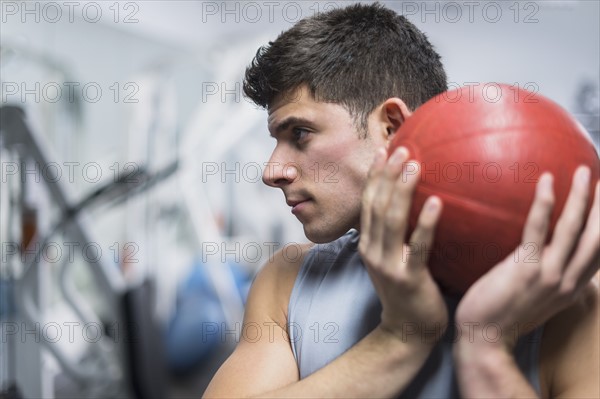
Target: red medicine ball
{"type": "Point", "coordinates": [481, 151]}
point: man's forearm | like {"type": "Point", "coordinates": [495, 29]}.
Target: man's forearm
{"type": "Point", "coordinates": [380, 365]}
{"type": "Point", "coordinates": [489, 371]}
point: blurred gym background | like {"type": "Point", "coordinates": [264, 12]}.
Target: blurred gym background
{"type": "Point", "coordinates": [132, 215]}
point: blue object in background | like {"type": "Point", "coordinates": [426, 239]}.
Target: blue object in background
{"type": "Point", "coordinates": [194, 332]}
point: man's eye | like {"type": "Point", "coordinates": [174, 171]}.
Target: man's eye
{"type": "Point", "coordinates": [300, 134]}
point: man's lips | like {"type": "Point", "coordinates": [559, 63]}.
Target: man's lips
{"type": "Point", "coordinates": [293, 203]}
{"type": "Point", "coordinates": [297, 204]}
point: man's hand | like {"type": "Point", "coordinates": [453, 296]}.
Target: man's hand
{"type": "Point", "coordinates": [524, 291]}
{"type": "Point", "coordinates": [410, 298]}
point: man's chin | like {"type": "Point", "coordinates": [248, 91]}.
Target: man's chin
{"type": "Point", "coordinates": [322, 236]}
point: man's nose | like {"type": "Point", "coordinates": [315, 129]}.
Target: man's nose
{"type": "Point", "coordinates": [279, 172]}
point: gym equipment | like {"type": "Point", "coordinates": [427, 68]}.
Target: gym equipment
{"type": "Point", "coordinates": [114, 366]}
{"type": "Point", "coordinates": [482, 151]}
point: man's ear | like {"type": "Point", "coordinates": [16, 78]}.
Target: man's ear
{"type": "Point", "coordinates": [394, 113]}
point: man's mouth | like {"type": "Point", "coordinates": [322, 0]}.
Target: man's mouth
{"type": "Point", "coordinates": [297, 204]}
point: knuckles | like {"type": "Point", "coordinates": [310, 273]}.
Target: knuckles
{"type": "Point", "coordinates": [572, 224]}
{"type": "Point", "coordinates": [550, 282]}
{"type": "Point", "coordinates": [395, 220]}
{"type": "Point", "coordinates": [546, 200]}
{"type": "Point", "coordinates": [539, 224]}
{"type": "Point", "coordinates": [567, 291]}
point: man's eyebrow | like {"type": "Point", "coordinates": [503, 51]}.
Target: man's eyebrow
{"type": "Point", "coordinates": [287, 122]}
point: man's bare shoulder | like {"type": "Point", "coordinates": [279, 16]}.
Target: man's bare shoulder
{"type": "Point", "coordinates": [284, 265]}
{"type": "Point", "coordinates": [274, 282]}
{"type": "Point", "coordinates": [570, 358]}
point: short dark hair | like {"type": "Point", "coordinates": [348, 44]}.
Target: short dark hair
{"type": "Point", "coordinates": [357, 57]}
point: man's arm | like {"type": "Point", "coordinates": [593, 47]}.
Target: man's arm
{"type": "Point", "coordinates": [379, 365]}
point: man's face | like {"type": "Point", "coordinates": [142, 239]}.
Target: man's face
{"type": "Point", "coordinates": [320, 163]}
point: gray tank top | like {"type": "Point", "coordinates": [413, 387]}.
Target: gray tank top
{"type": "Point", "coordinates": [333, 305]}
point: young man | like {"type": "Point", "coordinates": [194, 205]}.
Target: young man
{"type": "Point", "coordinates": [359, 315]}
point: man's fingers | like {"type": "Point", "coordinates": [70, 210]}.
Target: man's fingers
{"type": "Point", "coordinates": [586, 260]}
{"type": "Point", "coordinates": [421, 240]}
{"type": "Point", "coordinates": [397, 216]}
{"type": "Point", "coordinates": [381, 200]}
{"type": "Point", "coordinates": [538, 219]}
{"type": "Point", "coordinates": [570, 222]}
{"type": "Point", "coordinates": [369, 193]}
